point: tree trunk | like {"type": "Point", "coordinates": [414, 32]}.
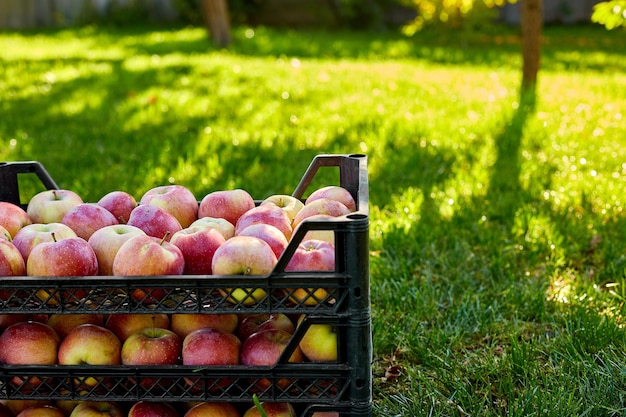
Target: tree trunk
{"type": "Point", "coordinates": [531, 21]}
{"type": "Point", "coordinates": [217, 21]}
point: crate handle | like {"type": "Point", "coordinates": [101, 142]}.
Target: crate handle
{"type": "Point", "coordinates": [9, 182]}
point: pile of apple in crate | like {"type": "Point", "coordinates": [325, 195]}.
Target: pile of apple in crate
{"type": "Point", "coordinates": [168, 231]}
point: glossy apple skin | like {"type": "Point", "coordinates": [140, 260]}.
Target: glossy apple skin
{"type": "Point", "coordinates": [90, 344]}
{"type": "Point", "coordinates": [63, 324]}
{"type": "Point", "coordinates": [226, 204]}
{"type": "Point", "coordinates": [266, 214]}
{"type": "Point", "coordinates": [226, 228]}
{"type": "Point", "coordinates": [264, 321]}
{"type": "Point", "coordinates": [29, 343]}
{"type": "Point", "coordinates": [7, 320]}
{"type": "Point", "coordinates": [50, 206]}
{"type": "Point", "coordinates": [327, 235]}
{"type": "Point", "coordinates": [118, 203]}
{"type": "Point", "coordinates": [86, 218]}
{"type": "Point", "coordinates": [154, 221]}
{"type": "Point", "coordinates": [311, 255]}
{"type": "Point", "coordinates": [244, 255]}
{"type": "Point", "coordinates": [66, 257]}
{"type": "Point", "coordinates": [212, 409]}
{"type": "Point", "coordinates": [183, 324]}
{"type": "Point", "coordinates": [290, 204]}
{"type": "Point", "coordinates": [176, 199]}
{"type": "Point", "coordinates": [326, 206]}
{"type": "Point", "coordinates": [198, 245]}
{"type": "Point", "coordinates": [107, 241]}
{"type": "Point", "coordinates": [4, 234]}
{"type": "Point", "coordinates": [33, 234]}
{"type": "Point", "coordinates": [147, 255]}
{"type": "Point", "coordinates": [125, 324]}
{"type": "Point", "coordinates": [278, 409]}
{"type": "Point", "coordinates": [41, 411]}
{"type": "Point", "coordinates": [333, 192]}
{"type": "Point", "coordinates": [270, 234]}
{"type": "Point", "coordinates": [97, 409]}
{"type": "Point", "coordinates": [11, 260]}
{"type": "Point", "coordinates": [319, 343]}
{"type": "Point", "coordinates": [152, 409]}
{"type": "Point", "coordinates": [151, 346]}
{"type": "Point", "coordinates": [15, 407]}
{"type": "Point", "coordinates": [13, 217]}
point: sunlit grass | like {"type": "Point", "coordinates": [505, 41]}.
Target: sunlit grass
{"type": "Point", "coordinates": [498, 265]}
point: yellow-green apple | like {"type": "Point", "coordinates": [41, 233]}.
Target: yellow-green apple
{"type": "Point", "coordinates": [31, 235]}
{"type": "Point", "coordinates": [321, 206]}
{"type": "Point", "coordinates": [119, 203]}
{"type": "Point", "coordinates": [29, 343]}
{"type": "Point", "coordinates": [145, 255]}
{"type": "Point", "coordinates": [274, 237]}
{"type": "Point", "coordinates": [319, 342]}
{"type": "Point", "coordinates": [125, 324]}
{"type": "Point", "coordinates": [90, 344]}
{"type": "Point", "coordinates": [244, 255]}
{"type": "Point", "coordinates": [271, 409]}
{"type": "Point", "coordinates": [266, 214]}
{"type": "Point", "coordinates": [327, 234]}
{"type": "Point", "coordinates": [176, 199]}
{"type": "Point", "coordinates": [152, 409]}
{"type": "Point", "coordinates": [41, 411]}
{"type": "Point", "coordinates": [72, 256]}
{"type": "Point", "coordinates": [226, 228]}
{"type": "Point", "coordinates": [5, 235]}
{"type": "Point", "coordinates": [11, 260]}
{"type": "Point", "coordinates": [311, 255]}
{"type": "Point", "coordinates": [212, 409]}
{"type": "Point", "coordinates": [183, 324]}
{"type": "Point", "coordinates": [106, 242]}
{"type": "Point", "coordinates": [198, 244]}
{"type": "Point", "coordinates": [98, 409]}
{"type": "Point", "coordinates": [210, 347]}
{"type": "Point", "coordinates": [154, 221]}
{"type": "Point", "coordinates": [13, 217]}
{"type": "Point", "coordinates": [151, 346]}
{"type": "Point", "coordinates": [64, 323]}
{"type": "Point", "coordinates": [253, 323]}
{"type": "Point", "coordinates": [226, 204]}
{"type": "Point", "coordinates": [264, 348]}
{"type": "Point", "coordinates": [333, 192]}
{"type": "Point", "coordinates": [289, 203]}
{"type": "Point", "coordinates": [86, 218]}
{"type": "Point", "coordinates": [17, 406]}
{"type": "Point", "coordinates": [50, 206]}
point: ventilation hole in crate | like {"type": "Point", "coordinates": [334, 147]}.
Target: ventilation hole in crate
{"type": "Point", "coordinates": [357, 292]}
{"type": "Point", "coordinates": [357, 155]}
{"type": "Point", "coordinates": [358, 383]}
{"type": "Point", "coordinates": [356, 216]}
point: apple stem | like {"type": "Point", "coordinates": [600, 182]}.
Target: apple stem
{"type": "Point", "coordinates": [153, 326]}
{"type": "Point", "coordinates": [165, 237]}
{"type": "Point", "coordinates": [54, 194]}
{"type": "Point", "coordinates": [54, 238]}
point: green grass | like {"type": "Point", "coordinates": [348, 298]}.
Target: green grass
{"type": "Point", "coordinates": [498, 231]}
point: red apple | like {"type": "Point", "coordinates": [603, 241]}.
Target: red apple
{"type": "Point", "coordinates": [119, 203]}
{"type": "Point", "coordinates": [31, 235]}
{"type": "Point", "coordinates": [266, 214]}
{"type": "Point", "coordinates": [5, 235]}
{"type": "Point", "coordinates": [175, 199]}
{"type": "Point", "coordinates": [11, 260]}
{"type": "Point", "coordinates": [226, 228]}
{"type": "Point", "coordinates": [41, 411]}
{"type": "Point", "coordinates": [289, 203]}
{"type": "Point", "coordinates": [146, 255]}
{"type": "Point", "coordinates": [152, 409]}
{"type": "Point", "coordinates": [125, 324]}
{"type": "Point", "coordinates": [319, 343]}
{"type": "Point", "coordinates": [13, 217]}
{"type": "Point", "coordinates": [151, 346]}
{"type": "Point", "coordinates": [274, 237]}
{"type": "Point", "coordinates": [183, 324]}
{"type": "Point", "coordinates": [333, 192]}
{"type": "Point", "coordinates": [208, 347]}
{"type": "Point", "coordinates": [5, 411]}
{"type": "Point", "coordinates": [50, 206]}
{"type": "Point", "coordinates": [15, 407]}
{"type": "Point", "coordinates": [226, 204]}
{"type": "Point", "coordinates": [64, 323]}
{"type": "Point", "coordinates": [321, 206]}
{"type": "Point", "coordinates": [86, 218]}
{"type": "Point", "coordinates": [311, 255]}
{"type": "Point", "coordinates": [8, 319]}
{"type": "Point", "coordinates": [271, 409]}
{"type": "Point", "coordinates": [212, 409]}
{"type": "Point", "coordinates": [264, 348]}
{"type": "Point", "coordinates": [264, 321]}
{"type": "Point", "coordinates": [90, 344]}
{"type": "Point", "coordinates": [244, 255]}
{"type": "Point", "coordinates": [97, 409]}
{"type": "Point", "coordinates": [154, 221]}
{"type": "Point", "coordinates": [198, 244]}
{"type": "Point", "coordinates": [327, 235]}
{"type": "Point", "coordinates": [106, 242]}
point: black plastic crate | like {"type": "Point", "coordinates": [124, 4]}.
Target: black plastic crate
{"type": "Point", "coordinates": [344, 386]}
